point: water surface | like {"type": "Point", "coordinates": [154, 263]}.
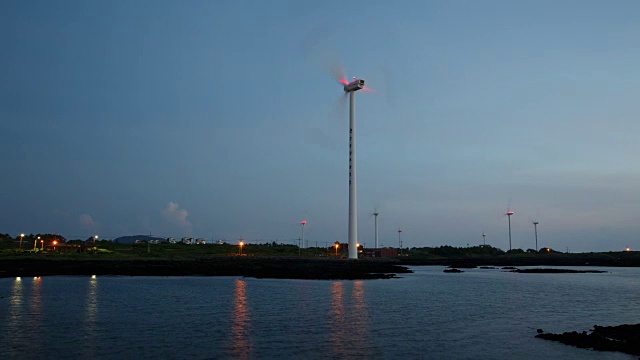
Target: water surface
{"type": "Point", "coordinates": [479, 314]}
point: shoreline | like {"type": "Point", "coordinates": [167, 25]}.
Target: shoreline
{"type": "Point", "coordinates": [586, 259]}
{"type": "Point", "coordinates": [255, 267]}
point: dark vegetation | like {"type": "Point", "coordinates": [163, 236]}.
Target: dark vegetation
{"type": "Point", "coordinates": [469, 257]}
{"type": "Point", "coordinates": [623, 338]}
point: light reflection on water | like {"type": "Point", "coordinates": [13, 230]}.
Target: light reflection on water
{"type": "Point", "coordinates": [91, 307]}
{"type": "Point", "coordinates": [349, 320]}
{"type": "Point", "coordinates": [35, 314]}
{"type": "Point", "coordinates": [15, 313]}
{"type": "Point", "coordinates": [336, 319]}
{"type": "Point", "coordinates": [241, 322]}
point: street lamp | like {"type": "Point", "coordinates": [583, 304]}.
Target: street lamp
{"type": "Point", "coordinates": [95, 238]}
{"type": "Point", "coordinates": [55, 242]}
{"type": "Point", "coordinates": [41, 244]}
{"type": "Point", "coordinates": [35, 243]}
{"type": "Point", "coordinates": [337, 246]}
{"type": "Point", "coordinates": [21, 236]}
{"type": "Point", "coordinates": [241, 245]}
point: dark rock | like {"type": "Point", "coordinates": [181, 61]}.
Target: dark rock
{"type": "Point", "coordinates": [555, 271]}
{"type": "Point", "coordinates": [623, 338]}
{"type": "Point", "coordinates": [453, 271]}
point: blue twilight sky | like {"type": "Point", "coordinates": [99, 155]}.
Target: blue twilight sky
{"type": "Point", "coordinates": [221, 119]}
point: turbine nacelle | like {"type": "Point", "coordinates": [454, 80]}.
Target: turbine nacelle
{"type": "Point", "coordinates": [355, 85]}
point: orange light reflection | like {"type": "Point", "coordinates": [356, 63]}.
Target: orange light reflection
{"type": "Point", "coordinates": [241, 323]}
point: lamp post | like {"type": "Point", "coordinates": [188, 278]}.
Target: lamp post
{"type": "Point", "coordinates": [95, 238]}
{"type": "Point", "coordinates": [241, 244]}
{"type": "Point", "coordinates": [400, 240]}
{"type": "Point", "coordinates": [35, 243]}
{"type": "Point", "coordinates": [55, 242]}
{"type": "Point", "coordinates": [21, 236]}
{"type": "Point", "coordinates": [337, 246]}
{"type": "Point", "coordinates": [41, 244]}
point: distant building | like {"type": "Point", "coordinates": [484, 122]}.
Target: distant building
{"type": "Point", "coordinates": [140, 241]}
{"type": "Point", "coordinates": [187, 240]}
{"type": "Point", "coordinates": [171, 240]}
{"type": "Point", "coordinates": [382, 252]}
{"type": "Point", "coordinates": [220, 242]}
{"type": "Point", "coordinates": [201, 241]}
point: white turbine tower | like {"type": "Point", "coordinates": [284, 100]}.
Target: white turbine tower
{"type": "Point", "coordinates": [376, 213]}
{"type": "Point", "coordinates": [351, 88]}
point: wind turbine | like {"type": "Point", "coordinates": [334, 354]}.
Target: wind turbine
{"type": "Point", "coordinates": [375, 214]}
{"type": "Point", "coordinates": [535, 229]}
{"type": "Point", "coordinates": [350, 88]}
{"type": "Point", "coordinates": [509, 213]}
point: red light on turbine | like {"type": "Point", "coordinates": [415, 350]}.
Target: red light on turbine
{"type": "Point", "coordinates": [303, 222]}
{"type": "Point", "coordinates": [509, 212]}
{"type": "Point", "coordinates": [343, 81]}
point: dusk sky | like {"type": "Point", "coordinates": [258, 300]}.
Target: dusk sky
{"type": "Point", "coordinates": [222, 120]}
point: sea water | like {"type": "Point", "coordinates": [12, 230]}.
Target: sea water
{"type": "Point", "coordinates": [478, 314]}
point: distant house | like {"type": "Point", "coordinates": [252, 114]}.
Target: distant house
{"type": "Point", "coordinates": [220, 242]}
{"type": "Point", "coordinates": [382, 252]}
{"type": "Point", "coordinates": [171, 240]}
{"type": "Point", "coordinates": [141, 241]}
{"type": "Point", "coordinates": [201, 241]}
{"type": "Point", "coordinates": [187, 240]}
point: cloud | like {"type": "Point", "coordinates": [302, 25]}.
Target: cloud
{"type": "Point", "coordinates": [87, 221]}
{"type": "Point", "coordinates": [177, 216]}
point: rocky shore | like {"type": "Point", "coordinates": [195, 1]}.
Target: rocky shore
{"type": "Point", "coordinates": [556, 271]}
{"type": "Point", "coordinates": [256, 267]}
{"type": "Point", "coordinates": [623, 338]}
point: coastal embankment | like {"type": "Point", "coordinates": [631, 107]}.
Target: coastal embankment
{"type": "Point", "coordinates": [614, 259]}
{"type": "Point", "coordinates": [256, 267]}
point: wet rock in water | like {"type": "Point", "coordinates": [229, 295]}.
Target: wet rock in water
{"type": "Point", "coordinates": [453, 271]}
{"type": "Point", "coordinates": [540, 331]}
{"type": "Point", "coordinates": [556, 271]}
{"type": "Point", "coordinates": [622, 338]}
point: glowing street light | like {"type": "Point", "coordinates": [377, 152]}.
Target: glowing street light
{"type": "Point", "coordinates": [35, 243]}
{"type": "Point", "coordinates": [95, 238]}
{"type": "Point", "coordinates": [41, 244]}
{"type": "Point", "coordinates": [628, 249]}
{"type": "Point", "coordinates": [241, 244]}
{"type": "Point", "coordinates": [337, 246]}
{"type": "Point", "coordinates": [55, 242]}
{"type": "Point", "coordinates": [21, 236]}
